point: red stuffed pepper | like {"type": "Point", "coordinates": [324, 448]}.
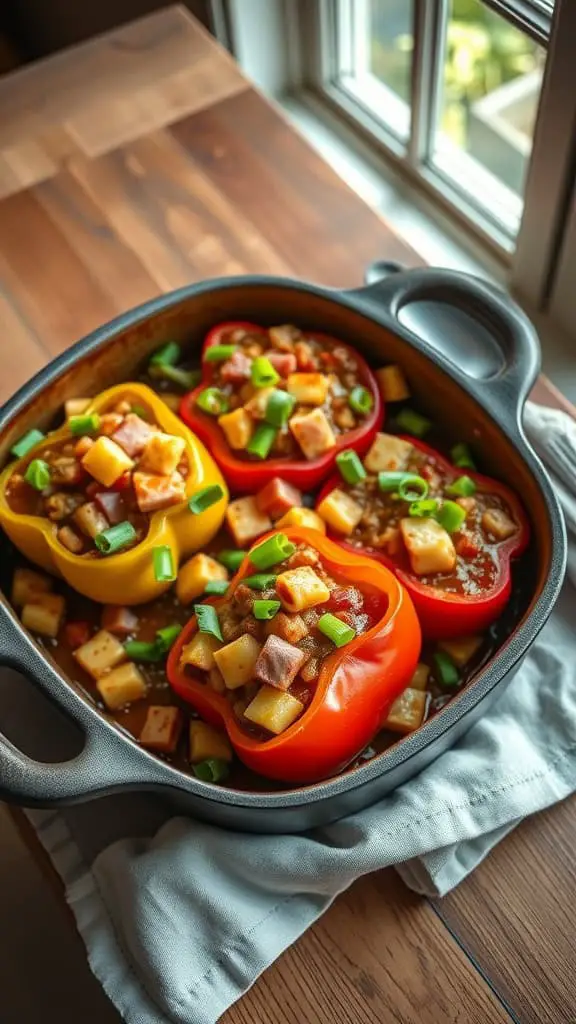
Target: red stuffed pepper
{"type": "Point", "coordinates": [280, 401]}
{"type": "Point", "coordinates": [302, 658]}
{"type": "Point", "coordinates": [448, 533]}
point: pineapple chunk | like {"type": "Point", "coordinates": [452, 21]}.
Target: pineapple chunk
{"type": "Point", "coordinates": [44, 615]}
{"type": "Point", "coordinates": [245, 520]}
{"type": "Point", "coordinates": [498, 524]}
{"type": "Point", "coordinates": [27, 585]}
{"type": "Point", "coordinates": [162, 728]}
{"type": "Point", "coordinates": [387, 453]}
{"type": "Point", "coordinates": [236, 661]}
{"type": "Point", "coordinates": [122, 686]}
{"type": "Point", "coordinates": [273, 709]}
{"type": "Point", "coordinates": [308, 388]}
{"type": "Point", "coordinates": [207, 742]}
{"type": "Point", "coordinates": [301, 588]}
{"type": "Point", "coordinates": [200, 652]}
{"type": "Point", "coordinates": [419, 680]}
{"type": "Point", "coordinates": [76, 406]}
{"type": "Point", "coordinates": [195, 574]}
{"type": "Point", "coordinates": [99, 654]}
{"type": "Point", "coordinates": [429, 545]}
{"type": "Point", "coordinates": [216, 681]}
{"type": "Point", "coordinates": [106, 461]}
{"type": "Point", "coordinates": [392, 383]}
{"type": "Point", "coordinates": [313, 433]}
{"type": "Point", "coordinates": [340, 511]}
{"type": "Point", "coordinates": [238, 427]}
{"type": "Point", "coordinates": [162, 454]}
{"type": "Point", "coordinates": [300, 516]}
{"type": "Point", "coordinates": [462, 649]}
{"type": "Point", "coordinates": [407, 712]}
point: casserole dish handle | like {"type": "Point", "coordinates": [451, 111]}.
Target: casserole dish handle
{"type": "Point", "coordinates": [106, 761]}
{"type": "Point", "coordinates": [477, 331]}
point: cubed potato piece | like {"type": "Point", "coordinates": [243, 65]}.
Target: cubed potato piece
{"type": "Point", "coordinates": [419, 680]}
{"type": "Point", "coordinates": [162, 728]}
{"type": "Point", "coordinates": [90, 520]}
{"type": "Point", "coordinates": [339, 510]}
{"type": "Point", "coordinates": [256, 405]}
{"type": "Point", "coordinates": [162, 454]}
{"type": "Point", "coordinates": [278, 663]}
{"type": "Point", "coordinates": [429, 545]}
{"type": "Point", "coordinates": [301, 516]}
{"type": "Point", "coordinates": [215, 680]}
{"type": "Point", "coordinates": [45, 614]}
{"type": "Point", "coordinates": [392, 383]}
{"type": "Point", "coordinates": [121, 686]}
{"type": "Point", "coordinates": [313, 433]}
{"type": "Point", "coordinates": [118, 619]}
{"type": "Point", "coordinates": [277, 497]}
{"type": "Point", "coordinates": [106, 461]}
{"type": "Point", "coordinates": [70, 539]}
{"type": "Point", "coordinates": [154, 493]}
{"type": "Point", "coordinates": [132, 433]}
{"type": "Point", "coordinates": [388, 453]}
{"type": "Point", "coordinates": [407, 712]}
{"type": "Point", "coordinates": [498, 524]}
{"type": "Point", "coordinates": [308, 388]}
{"type": "Point", "coordinates": [238, 427]}
{"type": "Point", "coordinates": [200, 652]}
{"type": "Point", "coordinates": [102, 653]}
{"type": "Point", "coordinates": [245, 520]}
{"type": "Point", "coordinates": [207, 742]}
{"type": "Point", "coordinates": [76, 406]}
{"type": "Point", "coordinates": [27, 585]}
{"type": "Point", "coordinates": [301, 588]}
{"type": "Point", "coordinates": [273, 709]}
{"type": "Point", "coordinates": [290, 627]}
{"type": "Point", "coordinates": [195, 574]}
{"type": "Point", "coordinates": [462, 649]}
{"type": "Point", "coordinates": [236, 661]}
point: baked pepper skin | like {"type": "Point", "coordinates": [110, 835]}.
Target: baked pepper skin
{"type": "Point", "coordinates": [356, 686]}
{"type": "Point", "coordinates": [247, 477]}
{"type": "Point", "coordinates": [442, 615]}
{"type": "Point", "coordinates": [127, 577]}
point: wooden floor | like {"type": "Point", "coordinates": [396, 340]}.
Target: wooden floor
{"type": "Point", "coordinates": [171, 170]}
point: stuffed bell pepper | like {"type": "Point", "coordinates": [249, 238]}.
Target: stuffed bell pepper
{"type": "Point", "coordinates": [280, 401]}
{"type": "Point", "coordinates": [115, 498]}
{"type": "Point", "coordinates": [446, 531]}
{"type": "Point", "coordinates": [301, 658]}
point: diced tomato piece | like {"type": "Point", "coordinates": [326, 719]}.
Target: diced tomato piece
{"type": "Point", "coordinates": [76, 634]}
{"type": "Point", "coordinates": [345, 599]}
{"type": "Point", "coordinates": [305, 358]}
{"type": "Point", "coordinates": [119, 620]}
{"type": "Point", "coordinates": [328, 361]}
{"type": "Point", "coordinates": [111, 504]}
{"type": "Point", "coordinates": [277, 497]}
{"type": "Point", "coordinates": [123, 482]}
{"type": "Point", "coordinates": [236, 369]}
{"type": "Point", "coordinates": [283, 362]}
{"type": "Point", "coordinates": [467, 546]}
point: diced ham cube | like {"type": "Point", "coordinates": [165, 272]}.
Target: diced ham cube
{"type": "Point", "coordinates": [156, 492]}
{"type": "Point", "coordinates": [76, 634]}
{"type": "Point", "coordinates": [277, 497]}
{"type": "Point", "coordinates": [119, 620]}
{"type": "Point", "coordinates": [291, 628]}
{"type": "Point", "coordinates": [278, 663]}
{"type": "Point", "coordinates": [236, 369]}
{"type": "Point", "coordinates": [283, 362]}
{"type": "Point", "coordinates": [111, 504]}
{"type": "Point", "coordinates": [133, 435]}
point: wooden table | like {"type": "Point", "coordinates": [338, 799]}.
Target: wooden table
{"type": "Point", "coordinates": [133, 165]}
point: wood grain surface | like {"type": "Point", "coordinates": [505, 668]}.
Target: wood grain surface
{"type": "Point", "coordinates": [175, 169]}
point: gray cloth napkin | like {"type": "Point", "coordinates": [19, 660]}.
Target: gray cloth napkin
{"type": "Point", "coordinates": [179, 918]}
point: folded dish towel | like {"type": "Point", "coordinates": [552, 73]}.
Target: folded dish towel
{"type": "Point", "coordinates": [179, 918]}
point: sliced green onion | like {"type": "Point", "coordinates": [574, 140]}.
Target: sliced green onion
{"type": "Point", "coordinates": [213, 401]}
{"type": "Point", "coordinates": [168, 355]}
{"type": "Point", "coordinates": [84, 424]}
{"type": "Point", "coordinates": [164, 571]}
{"type": "Point", "coordinates": [214, 769]}
{"type": "Point", "coordinates": [141, 411]}
{"type": "Point", "coordinates": [463, 487]}
{"type": "Point", "coordinates": [388, 481]}
{"type": "Point", "coordinates": [265, 609]}
{"type": "Point", "coordinates": [413, 423]}
{"type": "Point", "coordinates": [231, 559]}
{"type": "Point", "coordinates": [38, 474]}
{"type": "Point", "coordinates": [279, 408]}
{"type": "Point", "coordinates": [462, 456]}
{"type": "Point", "coordinates": [26, 443]}
{"type": "Point", "coordinates": [336, 630]}
{"type": "Point", "coordinates": [262, 440]}
{"type": "Point", "coordinates": [208, 621]}
{"type": "Point", "coordinates": [260, 580]}
{"type": "Point", "coordinates": [423, 508]}
{"type": "Point", "coordinates": [451, 516]}
{"type": "Point", "coordinates": [216, 587]}
{"type": "Point", "coordinates": [272, 551]}
{"type": "Point", "coordinates": [351, 469]}
{"type": "Point", "coordinates": [219, 353]}
{"type": "Point", "coordinates": [413, 488]}
{"type": "Point", "coordinates": [141, 650]}
{"type": "Point", "coordinates": [186, 379]}
{"type": "Point", "coordinates": [204, 498]}
{"type": "Point", "coordinates": [166, 636]}
{"type": "Point", "coordinates": [262, 373]}
{"type": "Point", "coordinates": [446, 670]}
{"type": "Point", "coordinates": [115, 538]}
{"type": "Point", "coordinates": [361, 401]}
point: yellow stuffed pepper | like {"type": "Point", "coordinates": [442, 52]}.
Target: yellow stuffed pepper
{"type": "Point", "coordinates": [114, 499]}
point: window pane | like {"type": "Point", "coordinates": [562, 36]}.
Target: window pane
{"type": "Point", "coordinates": [390, 33]}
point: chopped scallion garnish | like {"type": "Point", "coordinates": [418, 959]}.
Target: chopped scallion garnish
{"type": "Point", "coordinates": [413, 488]}
{"type": "Point", "coordinates": [216, 588]}
{"type": "Point", "coordinates": [164, 571]}
{"type": "Point", "coordinates": [462, 456]}
{"type": "Point", "coordinates": [26, 443]}
{"type": "Point", "coordinates": [208, 622]}
{"type": "Point", "coordinates": [168, 355]}
{"type": "Point", "coordinates": [351, 469]}
{"type": "Point", "coordinates": [231, 559]}
{"type": "Point", "coordinates": [336, 630]}
{"type": "Point", "coordinates": [204, 498]}
{"type": "Point", "coordinates": [142, 650]}
{"type": "Point", "coordinates": [166, 636]}
{"type": "Point", "coordinates": [271, 551]}
{"type": "Point", "coordinates": [446, 671]}
{"type": "Point", "coordinates": [262, 440]}
{"type": "Point", "coordinates": [265, 609]}
{"type": "Point", "coordinates": [84, 424]}
{"type": "Point", "coordinates": [186, 379]}
{"type": "Point", "coordinates": [260, 580]}
{"type": "Point", "coordinates": [214, 769]}
{"type": "Point", "coordinates": [262, 373]}
{"type": "Point", "coordinates": [451, 516]}
{"type": "Point", "coordinates": [38, 474]}
{"type": "Point", "coordinates": [219, 353]}
{"type": "Point", "coordinates": [413, 422]}
{"type": "Point", "coordinates": [213, 401]}
{"type": "Point", "coordinates": [423, 508]}
{"type": "Point", "coordinates": [463, 487]}
{"type": "Point", "coordinates": [115, 538]}
{"type": "Point", "coordinates": [279, 408]}
{"type": "Point", "coordinates": [360, 400]}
